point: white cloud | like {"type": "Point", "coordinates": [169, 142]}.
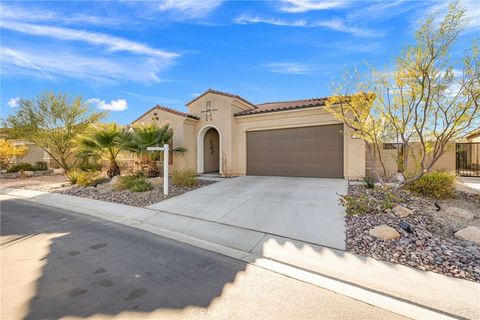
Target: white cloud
{"type": "Point", "coordinates": [289, 68]}
{"type": "Point", "coordinates": [297, 6]}
{"type": "Point", "coordinates": [114, 105]}
{"type": "Point", "coordinates": [247, 19]}
{"type": "Point", "coordinates": [189, 8]}
{"type": "Point", "coordinates": [49, 63]}
{"type": "Point", "coordinates": [110, 42]}
{"type": "Point", "coordinates": [18, 13]}
{"type": "Point", "coordinates": [335, 24]}
{"type": "Point", "coordinates": [13, 102]}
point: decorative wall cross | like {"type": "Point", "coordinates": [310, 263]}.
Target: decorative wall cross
{"type": "Point", "coordinates": [208, 111]}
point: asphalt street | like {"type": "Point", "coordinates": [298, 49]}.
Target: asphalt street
{"type": "Point", "coordinates": [57, 264]}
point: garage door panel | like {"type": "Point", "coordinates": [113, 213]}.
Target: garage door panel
{"type": "Point", "coordinates": [304, 152]}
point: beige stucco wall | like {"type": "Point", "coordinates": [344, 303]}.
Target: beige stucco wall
{"type": "Point", "coordinates": [33, 155]}
{"type": "Point", "coordinates": [223, 120]}
{"type": "Point", "coordinates": [183, 129]}
{"type": "Point", "coordinates": [354, 149]}
{"type": "Point", "coordinates": [446, 162]}
{"type": "Point", "coordinates": [233, 130]}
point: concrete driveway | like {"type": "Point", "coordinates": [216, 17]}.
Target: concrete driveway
{"type": "Point", "coordinates": [304, 209]}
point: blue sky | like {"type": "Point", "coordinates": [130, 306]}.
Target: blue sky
{"type": "Point", "coordinates": [128, 56]}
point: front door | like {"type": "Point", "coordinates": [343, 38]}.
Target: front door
{"type": "Point", "coordinates": [211, 151]}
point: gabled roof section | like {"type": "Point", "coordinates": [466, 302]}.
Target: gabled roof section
{"type": "Point", "coordinates": [162, 108]}
{"type": "Point", "coordinates": [222, 94]}
{"type": "Point", "coordinates": [472, 134]}
{"type": "Point", "coordinates": [283, 106]}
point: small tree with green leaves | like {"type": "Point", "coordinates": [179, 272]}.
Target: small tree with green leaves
{"type": "Point", "coordinates": [427, 97]}
{"type": "Point", "coordinates": [104, 142]}
{"type": "Point", "coordinates": [52, 122]}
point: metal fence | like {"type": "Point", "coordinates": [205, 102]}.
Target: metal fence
{"type": "Point", "coordinates": [467, 162]}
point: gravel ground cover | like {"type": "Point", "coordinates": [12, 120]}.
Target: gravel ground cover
{"type": "Point", "coordinates": [60, 184]}
{"type": "Point", "coordinates": [127, 197]}
{"type": "Point", "coordinates": [41, 183]}
{"type": "Point", "coordinates": [431, 245]}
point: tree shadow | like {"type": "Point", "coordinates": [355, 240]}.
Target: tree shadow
{"type": "Point", "coordinates": [98, 267]}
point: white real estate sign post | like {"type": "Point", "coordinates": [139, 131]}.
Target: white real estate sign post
{"type": "Point", "coordinates": [165, 165]}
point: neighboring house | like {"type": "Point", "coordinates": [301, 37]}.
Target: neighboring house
{"type": "Point", "coordinates": [34, 154]}
{"type": "Point", "coordinates": [226, 133]}
{"type": "Point", "coordinates": [473, 136]}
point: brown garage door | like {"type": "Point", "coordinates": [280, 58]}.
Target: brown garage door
{"type": "Point", "coordinates": [296, 152]}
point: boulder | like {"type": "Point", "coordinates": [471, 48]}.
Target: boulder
{"type": "Point", "coordinates": [28, 173]}
{"type": "Point", "coordinates": [469, 233]}
{"type": "Point", "coordinates": [113, 181]}
{"type": "Point", "coordinates": [157, 181]}
{"type": "Point", "coordinates": [384, 232]}
{"type": "Point", "coordinates": [459, 213]}
{"type": "Point", "coordinates": [401, 211]}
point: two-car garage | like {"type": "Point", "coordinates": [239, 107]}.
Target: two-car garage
{"type": "Point", "coordinates": [315, 151]}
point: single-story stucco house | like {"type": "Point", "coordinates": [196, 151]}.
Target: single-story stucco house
{"type": "Point", "coordinates": [226, 133]}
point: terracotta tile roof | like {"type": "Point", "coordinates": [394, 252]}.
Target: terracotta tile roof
{"type": "Point", "coordinates": [284, 105]}
{"type": "Point", "coordinates": [223, 94]}
{"type": "Point", "coordinates": [179, 113]}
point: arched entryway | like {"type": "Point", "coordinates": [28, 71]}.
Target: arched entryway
{"type": "Point", "coordinates": [209, 150]}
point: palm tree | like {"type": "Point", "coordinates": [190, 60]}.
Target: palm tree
{"type": "Point", "coordinates": [143, 137]}
{"type": "Point", "coordinates": [104, 142]}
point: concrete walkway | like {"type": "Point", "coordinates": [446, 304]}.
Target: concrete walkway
{"type": "Point", "coordinates": [304, 209]}
{"type": "Point", "coordinates": [469, 184]}
{"type": "Point", "coordinates": [410, 292]}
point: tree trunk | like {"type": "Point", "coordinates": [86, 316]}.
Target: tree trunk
{"type": "Point", "coordinates": [150, 169]}
{"type": "Point", "coordinates": [113, 169]}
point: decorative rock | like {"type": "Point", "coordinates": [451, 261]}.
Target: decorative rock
{"type": "Point", "coordinates": [157, 181]}
{"type": "Point", "coordinates": [401, 211]}
{"type": "Point", "coordinates": [459, 212]}
{"type": "Point", "coordinates": [113, 181]}
{"type": "Point", "coordinates": [384, 232]}
{"type": "Point", "coordinates": [28, 173]}
{"type": "Point", "coordinates": [469, 233]}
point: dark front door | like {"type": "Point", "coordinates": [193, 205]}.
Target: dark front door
{"type": "Point", "coordinates": [296, 152]}
{"type": "Point", "coordinates": [211, 151]}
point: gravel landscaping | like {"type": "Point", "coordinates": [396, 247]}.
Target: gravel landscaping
{"type": "Point", "coordinates": [137, 199]}
{"type": "Point", "coordinates": [431, 244]}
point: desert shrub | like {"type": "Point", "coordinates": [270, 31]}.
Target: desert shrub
{"type": "Point", "coordinates": [141, 184]}
{"type": "Point", "coordinates": [184, 178]}
{"type": "Point", "coordinates": [9, 153]}
{"type": "Point", "coordinates": [440, 185]}
{"type": "Point", "coordinates": [135, 183]}
{"type": "Point", "coordinates": [72, 175]}
{"type": "Point", "coordinates": [87, 178]}
{"type": "Point", "coordinates": [369, 182]}
{"type": "Point", "coordinates": [87, 166]}
{"type": "Point", "coordinates": [22, 167]}
{"type": "Point", "coordinates": [375, 201]}
{"type": "Point", "coordinates": [41, 165]}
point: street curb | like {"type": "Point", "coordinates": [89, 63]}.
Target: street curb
{"type": "Point", "coordinates": [394, 304]}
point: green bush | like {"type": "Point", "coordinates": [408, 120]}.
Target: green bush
{"type": "Point", "coordinates": [41, 165]}
{"type": "Point", "coordinates": [374, 201]}
{"type": "Point", "coordinates": [22, 167]}
{"type": "Point", "coordinates": [72, 175]}
{"type": "Point", "coordinates": [87, 178]}
{"type": "Point", "coordinates": [184, 178]}
{"type": "Point", "coordinates": [440, 185]}
{"type": "Point", "coordinates": [135, 183]}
